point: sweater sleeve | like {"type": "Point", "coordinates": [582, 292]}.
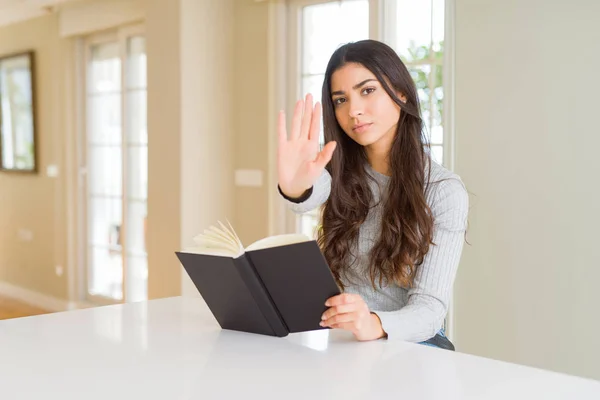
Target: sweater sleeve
{"type": "Point", "coordinates": [427, 306]}
{"type": "Point", "coordinates": [319, 195]}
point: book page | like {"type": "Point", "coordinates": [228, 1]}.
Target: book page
{"type": "Point", "coordinates": [217, 241]}
{"type": "Point", "coordinates": [223, 241]}
{"type": "Point", "coordinates": [279, 240]}
{"type": "Point", "coordinates": [209, 251]}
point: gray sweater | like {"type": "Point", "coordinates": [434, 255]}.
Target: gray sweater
{"type": "Point", "coordinates": [418, 313]}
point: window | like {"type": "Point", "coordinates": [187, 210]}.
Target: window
{"type": "Point", "coordinates": [414, 28]}
{"type": "Point", "coordinates": [323, 27]}
{"type": "Point", "coordinates": [116, 165]}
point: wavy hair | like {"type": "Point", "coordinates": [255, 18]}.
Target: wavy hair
{"type": "Point", "coordinates": [407, 225]}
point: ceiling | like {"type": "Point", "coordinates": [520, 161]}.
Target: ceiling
{"type": "Point", "coordinates": [13, 11]}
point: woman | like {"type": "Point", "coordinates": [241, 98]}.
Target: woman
{"type": "Point", "coordinates": [393, 221]}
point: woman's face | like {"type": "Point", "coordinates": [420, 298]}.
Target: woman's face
{"type": "Point", "coordinates": [363, 108]}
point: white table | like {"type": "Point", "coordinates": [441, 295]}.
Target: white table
{"type": "Point", "coordinates": [171, 349]}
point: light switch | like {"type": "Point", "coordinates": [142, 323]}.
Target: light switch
{"type": "Point", "coordinates": [249, 177]}
{"type": "Point", "coordinates": [25, 235]}
{"type": "Point", "coordinates": [52, 170]}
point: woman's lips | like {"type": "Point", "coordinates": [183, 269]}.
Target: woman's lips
{"type": "Point", "coordinates": [360, 128]}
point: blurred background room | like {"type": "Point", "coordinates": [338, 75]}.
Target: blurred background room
{"type": "Point", "coordinates": [129, 126]}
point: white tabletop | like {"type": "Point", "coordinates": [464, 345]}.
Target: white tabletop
{"type": "Point", "coordinates": [171, 349]}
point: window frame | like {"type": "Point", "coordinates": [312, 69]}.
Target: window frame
{"type": "Point", "coordinates": [379, 29]}
{"type": "Point", "coordinates": [119, 35]}
{"type": "Point", "coordinates": [293, 83]}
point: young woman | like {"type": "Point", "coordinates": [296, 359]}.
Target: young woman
{"type": "Point", "coordinates": [393, 220]}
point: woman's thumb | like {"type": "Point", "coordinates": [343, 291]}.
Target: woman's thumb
{"type": "Point", "coordinates": [326, 154]}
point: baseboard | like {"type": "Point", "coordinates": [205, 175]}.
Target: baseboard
{"type": "Point", "coordinates": [39, 300]}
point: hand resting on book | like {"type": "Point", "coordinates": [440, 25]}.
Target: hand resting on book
{"type": "Point", "coordinates": [350, 312]}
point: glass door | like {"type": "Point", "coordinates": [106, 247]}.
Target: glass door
{"type": "Point", "coordinates": [116, 168]}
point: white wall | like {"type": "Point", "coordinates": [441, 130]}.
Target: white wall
{"type": "Point", "coordinates": [528, 147]}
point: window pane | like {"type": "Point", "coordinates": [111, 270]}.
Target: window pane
{"type": "Point", "coordinates": [438, 15]}
{"type": "Point", "coordinates": [136, 62]}
{"type": "Point", "coordinates": [105, 170]}
{"type": "Point", "coordinates": [327, 26]}
{"type": "Point", "coordinates": [413, 29]}
{"type": "Point", "coordinates": [437, 135]}
{"type": "Point", "coordinates": [105, 269]}
{"type": "Point", "coordinates": [420, 75]}
{"type": "Point", "coordinates": [137, 261]}
{"type": "Point", "coordinates": [104, 118]}
{"type": "Point", "coordinates": [437, 104]}
{"type": "Point", "coordinates": [137, 128]}
{"type": "Point", "coordinates": [437, 153]}
{"type": "Point", "coordinates": [105, 222]}
{"type": "Point", "coordinates": [416, 28]}
{"type": "Point", "coordinates": [137, 173]}
{"type": "Point", "coordinates": [313, 84]}
{"type": "Point", "coordinates": [137, 170]}
{"type": "Point", "coordinates": [136, 240]}
{"type": "Point", "coordinates": [438, 95]}
{"type": "Point", "coordinates": [105, 68]}
{"type": "Point", "coordinates": [106, 273]}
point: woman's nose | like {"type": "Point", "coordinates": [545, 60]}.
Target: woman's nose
{"type": "Point", "coordinates": [356, 110]}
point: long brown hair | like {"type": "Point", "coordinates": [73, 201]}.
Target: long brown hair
{"type": "Point", "coordinates": [407, 225]}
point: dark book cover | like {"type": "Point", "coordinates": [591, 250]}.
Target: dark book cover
{"type": "Point", "coordinates": [226, 292]}
{"type": "Point", "coordinates": [299, 281]}
{"type": "Point", "coordinates": [271, 291]}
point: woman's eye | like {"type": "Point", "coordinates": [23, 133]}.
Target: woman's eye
{"type": "Point", "coordinates": [368, 90]}
{"type": "Point", "coordinates": [339, 101]}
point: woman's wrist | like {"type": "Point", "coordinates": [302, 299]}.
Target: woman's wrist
{"type": "Point", "coordinates": [294, 197]}
{"type": "Point", "coordinates": [379, 332]}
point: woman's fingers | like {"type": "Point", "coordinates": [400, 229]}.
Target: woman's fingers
{"type": "Point", "coordinates": [325, 155]}
{"type": "Point", "coordinates": [344, 298]}
{"type": "Point", "coordinates": [297, 120]}
{"type": "Point", "coordinates": [307, 117]}
{"type": "Point", "coordinates": [305, 120]}
{"type": "Point", "coordinates": [340, 319]}
{"type": "Point", "coordinates": [341, 309]}
{"type": "Point", "coordinates": [347, 326]}
{"type": "Point", "coordinates": [315, 124]}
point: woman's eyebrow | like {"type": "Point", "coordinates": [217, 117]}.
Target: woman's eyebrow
{"type": "Point", "coordinates": [354, 87]}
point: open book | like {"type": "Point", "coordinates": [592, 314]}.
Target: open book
{"type": "Point", "coordinates": [223, 241]}
{"type": "Point", "coordinates": [275, 286]}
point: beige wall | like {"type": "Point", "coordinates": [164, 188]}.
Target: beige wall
{"type": "Point", "coordinates": [164, 147]}
{"type": "Point", "coordinates": [80, 17]}
{"type": "Point", "coordinates": [527, 148]}
{"type": "Point", "coordinates": [252, 116]}
{"type": "Point", "coordinates": [208, 118]}
{"type": "Point", "coordinates": [37, 202]}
